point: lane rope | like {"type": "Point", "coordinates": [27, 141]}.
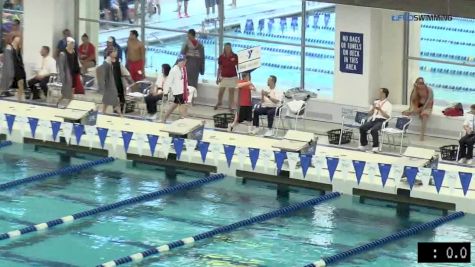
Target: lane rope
{"type": "Point", "coordinates": [108, 207]}
{"type": "Point", "coordinates": [43, 176]}
{"type": "Point", "coordinates": [325, 261]}
{"type": "Point", "coordinates": [5, 143]}
{"type": "Point", "coordinates": [137, 257]}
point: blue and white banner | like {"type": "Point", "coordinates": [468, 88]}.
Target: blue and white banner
{"type": "Point", "coordinates": [55, 126]}
{"type": "Point", "coordinates": [305, 162]}
{"type": "Point", "coordinates": [411, 173]}
{"type": "Point", "coordinates": [229, 153]}
{"type": "Point", "coordinates": [332, 164]}
{"type": "Point", "coordinates": [78, 132]}
{"type": "Point", "coordinates": [359, 169]}
{"type": "Point", "coordinates": [102, 133]}
{"type": "Point", "coordinates": [424, 175]}
{"type": "Point", "coordinates": [253, 156]}
{"type": "Point", "coordinates": [127, 137]}
{"type": "Point", "coordinates": [33, 125]}
{"type": "Point", "coordinates": [166, 142]}
{"type": "Point", "coordinates": [384, 170]}
{"type": "Point", "coordinates": [279, 157]}
{"type": "Point", "coordinates": [178, 145]}
{"type": "Point", "coordinates": [465, 179]}
{"type": "Point", "coordinates": [396, 173]}
{"type": "Point", "coordinates": [203, 147]}
{"type": "Point", "coordinates": [10, 118]}
{"type": "Point", "coordinates": [91, 134]}
{"type": "Point", "coordinates": [438, 176]}
{"type": "Point", "coordinates": [152, 143]}
{"type": "Point", "coordinates": [67, 128]}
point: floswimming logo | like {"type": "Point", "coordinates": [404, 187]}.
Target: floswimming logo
{"type": "Point", "coordinates": [420, 17]}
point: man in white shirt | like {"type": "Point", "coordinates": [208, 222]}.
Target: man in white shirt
{"type": "Point", "coordinates": [380, 111]}
{"type": "Point", "coordinates": [270, 100]}
{"type": "Point", "coordinates": [45, 66]}
{"type": "Point", "coordinates": [467, 141]}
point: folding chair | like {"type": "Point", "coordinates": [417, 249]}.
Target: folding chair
{"type": "Point", "coordinates": [358, 120]}
{"type": "Point", "coordinates": [400, 128]}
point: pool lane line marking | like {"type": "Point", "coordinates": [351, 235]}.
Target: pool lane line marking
{"type": "Point", "coordinates": [325, 261]}
{"type": "Point", "coordinates": [67, 170]}
{"type": "Point", "coordinates": [108, 207]}
{"type": "Point", "coordinates": [137, 257]}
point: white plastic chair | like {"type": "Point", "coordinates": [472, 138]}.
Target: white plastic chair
{"type": "Point", "coordinates": [400, 128]}
{"type": "Point", "coordinates": [284, 112]}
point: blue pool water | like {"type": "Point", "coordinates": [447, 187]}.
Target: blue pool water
{"type": "Point", "coordinates": [292, 240]}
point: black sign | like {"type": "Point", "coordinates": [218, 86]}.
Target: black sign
{"type": "Point", "coordinates": [351, 52]}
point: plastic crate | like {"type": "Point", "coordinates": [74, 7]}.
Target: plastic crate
{"type": "Point", "coordinates": [334, 136]}
{"type": "Point", "coordinates": [130, 106]}
{"type": "Point", "coordinates": [449, 152]}
{"type": "Point", "coordinates": [223, 119]}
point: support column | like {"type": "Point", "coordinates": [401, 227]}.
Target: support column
{"type": "Point", "coordinates": [383, 46]}
{"type": "Point", "coordinates": [44, 22]}
{"type": "Point", "coordinates": [89, 9]}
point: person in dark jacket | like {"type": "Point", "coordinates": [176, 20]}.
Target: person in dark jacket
{"type": "Point", "coordinates": [111, 43]}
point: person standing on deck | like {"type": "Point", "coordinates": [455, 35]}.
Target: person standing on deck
{"type": "Point", "coordinates": [69, 72]}
{"type": "Point", "coordinates": [110, 82]}
{"type": "Point", "coordinates": [195, 58]}
{"type": "Point", "coordinates": [13, 71]}
{"type": "Point", "coordinates": [135, 57]}
{"type": "Point", "coordinates": [177, 83]}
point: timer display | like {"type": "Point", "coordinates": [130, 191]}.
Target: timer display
{"type": "Point", "coordinates": [444, 252]}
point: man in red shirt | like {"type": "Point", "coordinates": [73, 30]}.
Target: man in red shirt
{"type": "Point", "coordinates": [245, 103]}
{"type": "Point", "coordinates": [87, 54]}
{"type": "Point", "coordinates": [227, 76]}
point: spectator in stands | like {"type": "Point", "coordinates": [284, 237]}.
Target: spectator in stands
{"type": "Point", "coordinates": [87, 54]}
{"type": "Point", "coordinates": [110, 81]}
{"type": "Point", "coordinates": [45, 66]}
{"type": "Point", "coordinates": [112, 11]}
{"type": "Point", "coordinates": [158, 91]}
{"type": "Point", "coordinates": [468, 140]}
{"type": "Point", "coordinates": [14, 31]}
{"type": "Point", "coordinates": [210, 4]}
{"type": "Point", "coordinates": [227, 75]}
{"type": "Point", "coordinates": [135, 56]}
{"type": "Point", "coordinates": [153, 7]}
{"type": "Point", "coordinates": [185, 8]}
{"type": "Point", "coordinates": [421, 103]}
{"type": "Point", "coordinates": [61, 46]}
{"type": "Point", "coordinates": [380, 111]}
{"type": "Point", "coordinates": [127, 14]}
{"type": "Point", "coordinates": [177, 83]}
{"type": "Point", "coordinates": [111, 43]}
{"type": "Point", "coordinates": [13, 72]}
{"type": "Point", "coordinates": [195, 58]}
{"type": "Point", "coordinates": [69, 72]}
{"type": "Point", "coordinates": [244, 113]}
{"type": "Point", "coordinates": [270, 100]}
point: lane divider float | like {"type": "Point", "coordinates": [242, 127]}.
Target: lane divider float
{"type": "Point", "coordinates": [137, 257]}
{"type": "Point", "coordinates": [108, 207]}
{"type": "Point", "coordinates": [325, 261]}
{"type": "Point", "coordinates": [43, 176]}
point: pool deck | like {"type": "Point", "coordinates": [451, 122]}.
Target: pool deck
{"type": "Point", "coordinates": [450, 196]}
{"type": "Point", "coordinates": [260, 9]}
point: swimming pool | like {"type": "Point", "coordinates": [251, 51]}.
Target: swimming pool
{"type": "Point", "coordinates": [292, 240]}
